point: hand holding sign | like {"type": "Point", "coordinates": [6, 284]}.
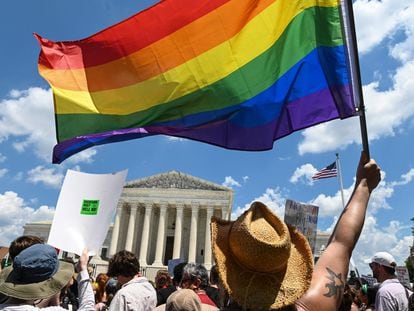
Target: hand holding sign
{"type": "Point", "coordinates": [84, 211]}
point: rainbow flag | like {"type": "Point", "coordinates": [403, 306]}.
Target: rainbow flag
{"type": "Point", "coordinates": [233, 73]}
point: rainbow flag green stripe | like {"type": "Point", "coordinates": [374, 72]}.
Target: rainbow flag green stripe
{"type": "Point", "coordinates": [286, 63]}
{"type": "Point", "coordinates": [256, 76]}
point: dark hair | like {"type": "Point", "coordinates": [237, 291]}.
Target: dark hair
{"type": "Point", "coordinates": [162, 279]}
{"type": "Point", "coordinates": [196, 270]}
{"type": "Point", "coordinates": [214, 276]}
{"type": "Point", "coordinates": [178, 273]}
{"type": "Point", "coordinates": [389, 270]}
{"type": "Point", "coordinates": [123, 263]}
{"type": "Point", "coordinates": [22, 243]}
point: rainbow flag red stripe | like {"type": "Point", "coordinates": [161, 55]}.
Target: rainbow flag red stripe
{"type": "Point", "coordinates": [234, 73]}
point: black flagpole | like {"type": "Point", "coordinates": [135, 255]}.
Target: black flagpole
{"type": "Point", "coordinates": [350, 35]}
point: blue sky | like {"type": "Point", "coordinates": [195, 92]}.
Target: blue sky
{"type": "Point", "coordinates": [29, 183]}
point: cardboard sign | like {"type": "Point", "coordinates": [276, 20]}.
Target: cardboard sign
{"type": "Point", "coordinates": [84, 210]}
{"type": "Point", "coordinates": [303, 217]}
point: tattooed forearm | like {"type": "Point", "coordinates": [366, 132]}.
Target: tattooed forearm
{"type": "Point", "coordinates": [335, 285]}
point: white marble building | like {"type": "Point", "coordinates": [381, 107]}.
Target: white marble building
{"type": "Point", "coordinates": [162, 217]}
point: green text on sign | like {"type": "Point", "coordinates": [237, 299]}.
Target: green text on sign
{"type": "Point", "coordinates": [90, 207]}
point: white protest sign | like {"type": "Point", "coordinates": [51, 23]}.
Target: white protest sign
{"type": "Point", "coordinates": [84, 210]}
{"type": "Point", "coordinates": [303, 217]}
{"type": "Point", "coordinates": [402, 275]}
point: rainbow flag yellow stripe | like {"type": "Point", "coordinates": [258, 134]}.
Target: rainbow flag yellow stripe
{"type": "Point", "coordinates": [182, 65]}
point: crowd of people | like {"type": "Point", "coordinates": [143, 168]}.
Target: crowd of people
{"type": "Point", "coordinates": [261, 264]}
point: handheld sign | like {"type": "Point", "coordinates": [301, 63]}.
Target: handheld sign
{"type": "Point", "coordinates": [84, 210]}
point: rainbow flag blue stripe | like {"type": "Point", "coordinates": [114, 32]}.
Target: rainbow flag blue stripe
{"type": "Point", "coordinates": [238, 74]}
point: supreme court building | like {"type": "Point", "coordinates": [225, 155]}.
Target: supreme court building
{"type": "Point", "coordinates": [162, 217]}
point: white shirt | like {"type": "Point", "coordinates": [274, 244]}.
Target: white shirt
{"type": "Point", "coordinates": [135, 295]}
{"type": "Point", "coordinates": [391, 296]}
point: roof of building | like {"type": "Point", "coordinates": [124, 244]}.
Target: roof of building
{"type": "Point", "coordinates": [175, 179]}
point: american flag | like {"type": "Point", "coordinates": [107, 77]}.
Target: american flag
{"type": "Point", "coordinates": [327, 172]}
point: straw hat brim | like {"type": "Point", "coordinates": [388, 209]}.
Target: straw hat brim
{"type": "Point", "coordinates": [256, 290]}
{"type": "Point", "coordinates": [10, 286]}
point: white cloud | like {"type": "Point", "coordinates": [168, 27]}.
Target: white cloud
{"type": "Point", "coordinates": [14, 213]}
{"type": "Point", "coordinates": [27, 120]}
{"type": "Point", "coordinates": [375, 238]}
{"type": "Point", "coordinates": [389, 110]}
{"type": "Point", "coordinates": [405, 178]}
{"type": "Point", "coordinates": [390, 16]}
{"type": "Point", "coordinates": [272, 198]}
{"type": "Point", "coordinates": [383, 118]}
{"type": "Point", "coordinates": [230, 182]}
{"type": "Point", "coordinates": [47, 176]}
{"type": "Point", "coordinates": [3, 172]}
{"type": "Point", "coordinates": [2, 158]}
{"type": "Point", "coordinates": [245, 179]}
{"type": "Point", "coordinates": [303, 173]}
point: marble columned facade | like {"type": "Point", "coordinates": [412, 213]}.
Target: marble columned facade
{"type": "Point", "coordinates": [167, 216]}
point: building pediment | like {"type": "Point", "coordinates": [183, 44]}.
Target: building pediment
{"type": "Point", "coordinates": [175, 179]}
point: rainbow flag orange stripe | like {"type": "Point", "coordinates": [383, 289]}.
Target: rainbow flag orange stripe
{"type": "Point", "coordinates": [234, 73]}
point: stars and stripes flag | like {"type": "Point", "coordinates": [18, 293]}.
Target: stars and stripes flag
{"type": "Point", "coordinates": [326, 172]}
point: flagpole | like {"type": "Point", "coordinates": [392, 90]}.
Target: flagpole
{"type": "Point", "coordinates": [338, 166]}
{"type": "Point", "coordinates": [352, 48]}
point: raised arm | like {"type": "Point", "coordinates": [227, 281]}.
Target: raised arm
{"type": "Point", "coordinates": [329, 276]}
{"type": "Point", "coordinates": [85, 291]}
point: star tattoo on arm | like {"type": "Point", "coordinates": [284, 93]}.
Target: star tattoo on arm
{"type": "Point", "coordinates": [336, 285]}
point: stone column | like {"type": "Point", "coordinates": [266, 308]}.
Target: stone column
{"type": "Point", "coordinates": [145, 235]}
{"type": "Point", "coordinates": [192, 247]}
{"type": "Point", "coordinates": [160, 236]}
{"type": "Point", "coordinates": [207, 241]}
{"type": "Point", "coordinates": [115, 230]}
{"type": "Point", "coordinates": [179, 207]}
{"type": "Point", "coordinates": [131, 227]}
{"type": "Point", "coordinates": [224, 213]}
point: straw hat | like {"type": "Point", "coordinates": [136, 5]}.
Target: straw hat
{"type": "Point", "coordinates": [36, 274]}
{"type": "Point", "coordinates": [262, 262]}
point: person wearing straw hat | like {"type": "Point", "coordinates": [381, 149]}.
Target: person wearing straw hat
{"type": "Point", "coordinates": [36, 278]}
{"type": "Point", "coordinates": [265, 264]}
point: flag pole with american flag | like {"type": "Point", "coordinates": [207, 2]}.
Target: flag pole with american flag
{"type": "Point", "coordinates": [332, 170]}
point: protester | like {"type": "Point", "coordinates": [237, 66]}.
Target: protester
{"type": "Point", "coordinates": [21, 243]}
{"type": "Point", "coordinates": [69, 294]}
{"type": "Point", "coordinates": [265, 264]}
{"type": "Point", "coordinates": [100, 295]}
{"type": "Point", "coordinates": [185, 300]}
{"type": "Point", "coordinates": [164, 286]}
{"type": "Point", "coordinates": [391, 294]}
{"type": "Point", "coordinates": [136, 293]}
{"type": "Point", "coordinates": [212, 289]}
{"type": "Point", "coordinates": [195, 277]}
{"type": "Point", "coordinates": [111, 287]}
{"type": "Point", "coordinates": [36, 278]}
{"type": "Point", "coordinates": [367, 295]}
{"type": "Point", "coordinates": [164, 293]}
{"type": "Point", "coordinates": [16, 246]}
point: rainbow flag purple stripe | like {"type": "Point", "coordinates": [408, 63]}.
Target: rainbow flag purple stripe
{"type": "Point", "coordinates": [238, 74]}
